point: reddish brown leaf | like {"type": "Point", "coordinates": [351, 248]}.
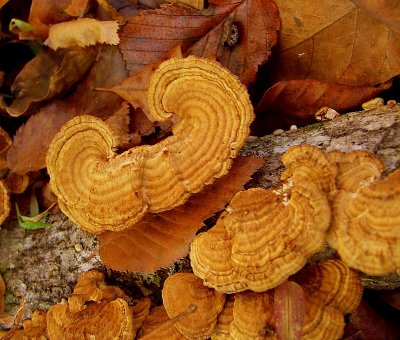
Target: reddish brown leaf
{"type": "Point", "coordinates": [141, 44]}
{"type": "Point", "coordinates": [334, 41]}
{"type": "Point", "coordinates": [160, 239]}
{"type": "Point", "coordinates": [289, 310]}
{"type": "Point", "coordinates": [392, 297]}
{"type": "Point", "coordinates": [297, 101]}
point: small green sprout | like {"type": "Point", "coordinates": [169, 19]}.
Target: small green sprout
{"type": "Point", "coordinates": [17, 25]}
{"type": "Point", "coordinates": [34, 220]}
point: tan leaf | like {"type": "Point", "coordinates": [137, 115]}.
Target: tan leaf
{"type": "Point", "coordinates": [47, 75]}
{"type": "Point", "coordinates": [386, 11]}
{"type": "Point", "coordinates": [181, 25]}
{"type": "Point", "coordinates": [334, 41]}
{"type": "Point", "coordinates": [82, 32]}
{"type": "Point", "coordinates": [160, 239]}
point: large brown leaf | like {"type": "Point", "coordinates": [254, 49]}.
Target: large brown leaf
{"type": "Point", "coordinates": [297, 101]}
{"type": "Point", "coordinates": [334, 41]}
{"type": "Point", "coordinates": [160, 239]}
{"type": "Point", "coordinates": [149, 36]}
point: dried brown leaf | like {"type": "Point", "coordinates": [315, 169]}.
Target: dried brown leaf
{"type": "Point", "coordinates": [30, 144]}
{"type": "Point", "coordinates": [334, 41]}
{"type": "Point", "coordinates": [204, 33]}
{"type": "Point", "coordinates": [289, 310]}
{"type": "Point", "coordinates": [160, 239]}
{"type": "Point", "coordinates": [48, 75]}
{"type": "Point", "coordinates": [296, 101]}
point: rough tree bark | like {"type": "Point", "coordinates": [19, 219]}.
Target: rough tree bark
{"type": "Point", "coordinates": [43, 265]}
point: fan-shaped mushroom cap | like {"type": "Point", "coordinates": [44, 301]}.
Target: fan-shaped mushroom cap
{"type": "Point", "coordinates": [35, 328]}
{"type": "Point", "coordinates": [100, 190]}
{"type": "Point", "coordinates": [253, 316]}
{"type": "Point", "coordinates": [332, 283]}
{"type": "Point", "coordinates": [157, 326]}
{"type": "Point", "coordinates": [321, 322]}
{"type": "Point", "coordinates": [224, 320]}
{"type": "Point", "coordinates": [263, 237]}
{"type": "Point", "coordinates": [184, 289]}
{"type": "Point", "coordinates": [366, 226]}
{"type": "Point", "coordinates": [5, 206]}
{"type": "Point", "coordinates": [310, 164]}
{"type": "Point", "coordinates": [103, 320]}
{"type": "Point", "coordinates": [355, 168]}
{"type": "Point", "coordinates": [91, 287]}
{"type": "Point", "coordinates": [140, 312]}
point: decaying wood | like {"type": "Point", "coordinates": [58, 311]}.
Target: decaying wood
{"type": "Point", "coordinates": [43, 265]}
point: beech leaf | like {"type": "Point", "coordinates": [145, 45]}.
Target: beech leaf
{"type": "Point", "coordinates": [203, 31]}
{"type": "Point", "coordinates": [289, 311]}
{"type": "Point", "coordinates": [297, 101]}
{"type": "Point", "coordinates": [160, 239]}
{"type": "Point", "coordinates": [334, 41]}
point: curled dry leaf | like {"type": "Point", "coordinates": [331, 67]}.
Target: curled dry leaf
{"type": "Point", "coordinates": [48, 74]}
{"type": "Point", "coordinates": [203, 33]}
{"type": "Point", "coordinates": [184, 289]}
{"type": "Point", "coordinates": [5, 144]}
{"type": "Point", "coordinates": [165, 237]}
{"type": "Point", "coordinates": [214, 124]}
{"type": "Point", "coordinates": [82, 32]}
{"type": "Point", "coordinates": [77, 8]}
{"type": "Point", "coordinates": [262, 238]}
{"type": "Point", "coordinates": [30, 144]}
{"type": "Point", "coordinates": [335, 41]}
{"type": "Point", "coordinates": [296, 101]}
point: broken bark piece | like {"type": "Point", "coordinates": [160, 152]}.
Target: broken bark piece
{"type": "Point", "coordinates": [100, 190]}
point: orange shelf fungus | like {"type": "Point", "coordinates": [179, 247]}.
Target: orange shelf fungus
{"type": "Point", "coordinates": [185, 289]}
{"type": "Point", "coordinates": [225, 318]}
{"type": "Point", "coordinates": [94, 310]}
{"type": "Point", "coordinates": [100, 190]}
{"type": "Point", "coordinates": [253, 316]}
{"type": "Point", "coordinates": [262, 238]}
{"type": "Point", "coordinates": [332, 283]}
{"type": "Point", "coordinates": [5, 206]}
{"type": "Point", "coordinates": [366, 225]}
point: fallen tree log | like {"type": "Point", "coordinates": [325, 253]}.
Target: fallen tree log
{"type": "Point", "coordinates": [43, 265]}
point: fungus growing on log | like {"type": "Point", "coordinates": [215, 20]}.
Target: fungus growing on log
{"type": "Point", "coordinates": [366, 222]}
{"type": "Point", "coordinates": [182, 290]}
{"type": "Point", "coordinates": [100, 190]}
{"type": "Point", "coordinates": [332, 283]}
{"type": "Point", "coordinates": [5, 206]}
{"type": "Point", "coordinates": [262, 238]}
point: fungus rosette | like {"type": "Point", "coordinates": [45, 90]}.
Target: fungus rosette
{"type": "Point", "coordinates": [100, 190]}
{"type": "Point", "coordinates": [366, 224]}
{"type": "Point", "coordinates": [263, 237]}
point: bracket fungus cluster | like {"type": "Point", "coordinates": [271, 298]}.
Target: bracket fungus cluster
{"type": "Point", "coordinates": [330, 291]}
{"type": "Point", "coordinates": [101, 190]}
